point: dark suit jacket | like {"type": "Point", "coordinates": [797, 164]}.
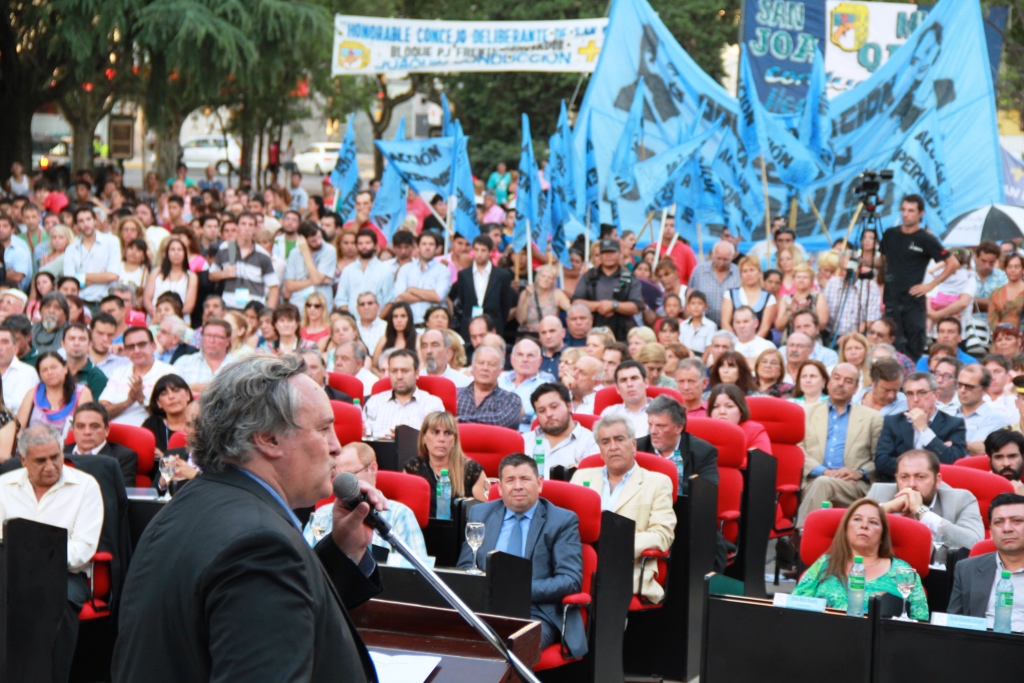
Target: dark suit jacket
{"type": "Point", "coordinates": [972, 585]}
{"type": "Point", "coordinates": [898, 438]}
{"type": "Point", "coordinates": [553, 546]}
{"type": "Point", "coordinates": [128, 459]}
{"type": "Point", "coordinates": [699, 457]}
{"type": "Point", "coordinates": [223, 587]}
{"type": "Point", "coordinates": [336, 395]}
{"type": "Point", "coordinates": [181, 350]}
{"type": "Point", "coordinates": [499, 299]}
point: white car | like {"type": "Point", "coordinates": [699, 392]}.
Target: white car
{"type": "Point", "coordinates": [202, 150]}
{"type": "Point", "coordinates": [318, 158]}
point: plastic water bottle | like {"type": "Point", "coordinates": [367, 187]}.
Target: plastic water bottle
{"type": "Point", "coordinates": [677, 458]}
{"type": "Point", "coordinates": [855, 589]}
{"type": "Point", "coordinates": [538, 455]}
{"type": "Point", "coordinates": [444, 496]}
{"type": "Point", "coordinates": [1004, 604]}
{"type": "Point", "coordinates": [826, 504]}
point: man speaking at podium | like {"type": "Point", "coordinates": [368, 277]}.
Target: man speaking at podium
{"type": "Point", "coordinates": [223, 586]}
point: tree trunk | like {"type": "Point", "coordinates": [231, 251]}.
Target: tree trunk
{"type": "Point", "coordinates": [82, 131]}
{"type": "Point", "coordinates": [16, 123]}
{"type": "Point", "coordinates": [168, 149]}
{"type": "Point", "coordinates": [259, 162]}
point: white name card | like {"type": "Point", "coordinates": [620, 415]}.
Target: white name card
{"type": "Point", "coordinates": [799, 602]}
{"type": "Point", "coordinates": [959, 621]}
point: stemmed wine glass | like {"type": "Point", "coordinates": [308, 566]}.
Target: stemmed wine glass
{"type": "Point", "coordinates": [475, 539]}
{"type": "Point", "coordinates": [906, 579]}
{"type": "Point", "coordinates": [318, 525]}
{"type": "Point", "coordinates": [168, 467]}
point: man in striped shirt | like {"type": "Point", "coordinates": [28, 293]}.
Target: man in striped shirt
{"type": "Point", "coordinates": [245, 269]}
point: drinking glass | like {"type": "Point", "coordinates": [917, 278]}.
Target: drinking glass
{"type": "Point", "coordinates": [475, 539]}
{"type": "Point", "coordinates": [168, 466]}
{"type": "Point", "coordinates": [906, 579]}
{"type": "Point", "coordinates": [318, 525]}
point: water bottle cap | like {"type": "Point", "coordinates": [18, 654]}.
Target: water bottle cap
{"type": "Point", "coordinates": [444, 473]}
{"type": "Point", "coordinates": [826, 504]}
{"type": "Point", "coordinates": [356, 402]}
{"type": "Point", "coordinates": [1006, 574]}
{"type": "Point", "coordinates": [858, 559]}
{"type": "Point", "coordinates": [587, 483]}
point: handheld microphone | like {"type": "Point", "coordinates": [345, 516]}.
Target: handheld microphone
{"type": "Point", "coordinates": [346, 489]}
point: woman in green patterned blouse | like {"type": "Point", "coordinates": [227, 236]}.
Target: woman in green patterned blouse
{"type": "Point", "coordinates": [864, 531]}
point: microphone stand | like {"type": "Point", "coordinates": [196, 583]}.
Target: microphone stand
{"type": "Point", "coordinates": [455, 601]}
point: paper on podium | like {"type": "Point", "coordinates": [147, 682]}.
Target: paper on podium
{"type": "Point", "coordinates": [403, 668]}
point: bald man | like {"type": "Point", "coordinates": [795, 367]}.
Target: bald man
{"type": "Point", "coordinates": [552, 341]}
{"type": "Point", "coordinates": [589, 375]}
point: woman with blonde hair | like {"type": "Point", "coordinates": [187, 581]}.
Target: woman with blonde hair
{"type": "Point", "coordinates": [637, 337]}
{"type": "Point", "coordinates": [653, 358]}
{"type": "Point", "coordinates": [541, 299]}
{"type": "Point", "coordinates": [458, 347]}
{"type": "Point", "coordinates": [239, 334]}
{"type": "Point", "coordinates": [598, 339]}
{"type": "Point", "coordinates": [343, 329]}
{"type": "Point", "coordinates": [314, 318]}
{"type": "Point", "coordinates": [828, 264]}
{"type": "Point", "coordinates": [439, 449]}
{"type": "Point", "coordinates": [53, 262]}
{"type": "Point", "coordinates": [128, 230]}
{"type": "Point", "coordinates": [853, 349]}
{"type": "Point", "coordinates": [787, 260]}
{"type": "Point", "coordinates": [751, 292]}
{"type": "Point", "coordinates": [801, 298]}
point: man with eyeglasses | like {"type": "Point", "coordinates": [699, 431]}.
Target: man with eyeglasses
{"type": "Point", "coordinates": [199, 369]}
{"type": "Point", "coordinates": [715, 277]}
{"type": "Point", "coordinates": [371, 328]}
{"type": "Point", "coordinates": [127, 394]}
{"type": "Point", "coordinates": [310, 266]}
{"type": "Point", "coordinates": [883, 331]}
{"type": "Point", "coordinates": [946, 398]}
{"type": "Point", "coordinates": [923, 426]}
{"type": "Point", "coordinates": [980, 418]}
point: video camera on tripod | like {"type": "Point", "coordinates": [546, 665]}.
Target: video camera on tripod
{"type": "Point", "coordinates": [867, 191]}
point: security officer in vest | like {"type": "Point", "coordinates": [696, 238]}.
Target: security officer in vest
{"type": "Point", "coordinates": [610, 292]}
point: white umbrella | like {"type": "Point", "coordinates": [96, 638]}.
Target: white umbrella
{"type": "Point", "coordinates": [996, 222]}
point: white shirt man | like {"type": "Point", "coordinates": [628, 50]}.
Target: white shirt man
{"type": "Point", "coordinates": [423, 282]}
{"type": "Point", "coordinates": [18, 378]}
{"type": "Point", "coordinates": [744, 324]}
{"type": "Point", "coordinates": [562, 440]}
{"type": "Point", "coordinates": [589, 374]}
{"type": "Point", "coordinates": [631, 383]}
{"type": "Point", "coordinates": [199, 369]}
{"type": "Point", "coordinates": [371, 327]}
{"type": "Point", "coordinates": [366, 274]}
{"type": "Point", "coordinates": [525, 376]}
{"type": "Point", "coordinates": [436, 353]}
{"type": "Point", "coordinates": [1004, 403]}
{"type": "Point", "coordinates": [127, 394]}
{"type": "Point", "coordinates": [404, 404]}
{"type": "Point", "coordinates": [94, 258]}
{"type": "Point", "coordinates": [980, 418]}
{"type": "Point", "coordinates": [350, 359]}
{"type": "Point", "coordinates": [310, 267]}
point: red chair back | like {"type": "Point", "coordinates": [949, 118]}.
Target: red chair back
{"type": "Point", "coordinates": [911, 540]}
{"type": "Point", "coordinates": [177, 440]}
{"type": "Point", "coordinates": [731, 443]}
{"type": "Point", "coordinates": [609, 396]}
{"type": "Point", "coordinates": [984, 485]}
{"type": "Point", "coordinates": [350, 384]}
{"type": "Point", "coordinates": [348, 422]}
{"type": "Point", "coordinates": [983, 547]}
{"type": "Point", "coordinates": [975, 462]}
{"type": "Point", "coordinates": [785, 423]}
{"type": "Point", "coordinates": [442, 387]}
{"type": "Point", "coordinates": [408, 489]}
{"type": "Point", "coordinates": [139, 440]}
{"type": "Point", "coordinates": [588, 421]}
{"type": "Point", "coordinates": [488, 444]}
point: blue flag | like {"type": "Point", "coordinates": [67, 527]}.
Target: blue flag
{"type": "Point", "coordinates": [622, 184]}
{"type": "Point", "coordinates": [671, 176]}
{"type": "Point", "coordinates": [562, 175]}
{"type": "Point", "coordinates": [743, 205]}
{"type": "Point", "coordinates": [815, 127]}
{"type": "Point", "coordinates": [425, 164]}
{"type": "Point", "coordinates": [446, 117]}
{"type": "Point", "coordinates": [919, 167]}
{"type": "Point", "coordinates": [590, 207]}
{"type": "Point", "coordinates": [345, 174]}
{"type": "Point", "coordinates": [464, 220]}
{"type": "Point", "coordinates": [389, 206]}
{"type": "Point", "coordinates": [528, 195]}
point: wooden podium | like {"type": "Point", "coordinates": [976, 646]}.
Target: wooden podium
{"type": "Point", "coordinates": [402, 628]}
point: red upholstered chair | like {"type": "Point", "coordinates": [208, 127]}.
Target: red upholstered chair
{"type": "Point", "coordinates": [911, 540]}
{"type": "Point", "coordinates": [984, 485]}
{"type": "Point", "coordinates": [348, 422]}
{"type": "Point", "coordinates": [785, 423]}
{"type": "Point", "coordinates": [177, 440]}
{"type": "Point", "coordinates": [731, 443]}
{"type": "Point", "coordinates": [609, 396]}
{"type": "Point", "coordinates": [488, 444]}
{"type": "Point", "coordinates": [983, 547]}
{"type": "Point", "coordinates": [442, 387]}
{"type": "Point", "coordinates": [139, 440]}
{"type": "Point", "coordinates": [975, 462]}
{"type": "Point", "coordinates": [587, 421]}
{"type": "Point", "coordinates": [350, 384]}
{"type": "Point", "coordinates": [98, 604]}
{"type": "Point", "coordinates": [408, 489]}
{"type": "Point", "coordinates": [586, 503]}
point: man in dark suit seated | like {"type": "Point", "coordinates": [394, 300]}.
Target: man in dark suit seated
{"type": "Point", "coordinates": [921, 427]}
{"type": "Point", "coordinates": [91, 427]}
{"type": "Point", "coordinates": [316, 368]}
{"type": "Point", "coordinates": [975, 579]}
{"type": "Point", "coordinates": [222, 584]}
{"type": "Point", "coordinates": [524, 524]}
{"type": "Point", "coordinates": [666, 420]}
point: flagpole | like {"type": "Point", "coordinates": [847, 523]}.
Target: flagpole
{"type": "Point", "coordinates": [856, 215]}
{"type": "Point", "coordinates": [767, 210]}
{"type": "Point", "coordinates": [448, 226]}
{"type": "Point", "coordinates": [661, 235]}
{"type": "Point", "coordinates": [586, 242]}
{"type": "Point", "coordinates": [792, 213]}
{"type": "Point", "coordinates": [529, 253]}
{"type": "Point", "coordinates": [700, 244]}
{"type": "Point", "coordinates": [817, 215]}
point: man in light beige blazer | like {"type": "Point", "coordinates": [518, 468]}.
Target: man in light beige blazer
{"type": "Point", "coordinates": [631, 491]}
{"type": "Point", "coordinates": [836, 469]}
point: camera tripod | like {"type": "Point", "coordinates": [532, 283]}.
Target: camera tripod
{"type": "Point", "coordinates": [854, 279]}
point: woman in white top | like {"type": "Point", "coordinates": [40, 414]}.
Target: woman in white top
{"type": "Point", "coordinates": [173, 276]}
{"type": "Point", "coordinates": [134, 265]}
{"type": "Point", "coordinates": [751, 292]}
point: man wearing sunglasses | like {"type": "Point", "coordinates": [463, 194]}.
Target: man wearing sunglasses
{"type": "Point", "coordinates": [126, 396]}
{"type": "Point", "coordinates": [980, 418]}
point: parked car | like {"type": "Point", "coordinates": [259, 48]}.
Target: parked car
{"type": "Point", "coordinates": [51, 157]}
{"type": "Point", "coordinates": [318, 158]}
{"type": "Point", "coordinates": [200, 151]}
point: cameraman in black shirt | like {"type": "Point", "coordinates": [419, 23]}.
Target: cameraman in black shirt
{"type": "Point", "coordinates": [908, 250]}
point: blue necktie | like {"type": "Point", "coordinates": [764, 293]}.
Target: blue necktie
{"type": "Point", "coordinates": [515, 539]}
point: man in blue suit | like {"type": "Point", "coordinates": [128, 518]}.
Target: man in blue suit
{"type": "Point", "coordinates": [524, 524]}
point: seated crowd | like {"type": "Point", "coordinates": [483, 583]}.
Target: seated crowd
{"type": "Point", "coordinates": [146, 305]}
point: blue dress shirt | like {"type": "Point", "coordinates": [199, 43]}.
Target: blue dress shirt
{"type": "Point", "coordinates": [835, 443]}
{"type": "Point", "coordinates": [506, 530]}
